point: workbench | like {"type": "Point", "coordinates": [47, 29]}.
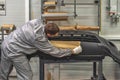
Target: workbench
{"type": "Point", "coordinates": [94, 49]}
{"type": "Point", "coordinates": [96, 59]}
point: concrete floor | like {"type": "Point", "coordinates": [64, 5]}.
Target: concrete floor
{"type": "Point", "coordinates": [75, 71]}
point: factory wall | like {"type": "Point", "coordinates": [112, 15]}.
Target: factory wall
{"type": "Point", "coordinates": [109, 29]}
{"type": "Point", "coordinates": [15, 13]}
{"type": "Point", "coordinates": [35, 9]}
{"type": "Point", "coordinates": [86, 15]}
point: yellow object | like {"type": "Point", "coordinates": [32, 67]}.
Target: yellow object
{"type": "Point", "coordinates": [67, 27]}
{"type": "Point", "coordinates": [65, 44]}
{"type": "Point", "coordinates": [50, 3]}
{"type": "Point", "coordinates": [79, 27]}
{"type": "Point", "coordinates": [8, 27]}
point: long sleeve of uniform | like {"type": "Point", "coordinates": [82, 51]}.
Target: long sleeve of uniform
{"type": "Point", "coordinates": [46, 47]}
{"type": "Point", "coordinates": [43, 44]}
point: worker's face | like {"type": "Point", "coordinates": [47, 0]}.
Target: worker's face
{"type": "Point", "coordinates": [49, 35]}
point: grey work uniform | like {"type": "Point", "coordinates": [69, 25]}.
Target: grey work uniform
{"type": "Point", "coordinates": [26, 39]}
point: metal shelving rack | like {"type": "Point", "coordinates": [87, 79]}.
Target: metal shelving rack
{"type": "Point", "coordinates": [96, 2]}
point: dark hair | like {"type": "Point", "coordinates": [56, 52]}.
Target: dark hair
{"type": "Point", "coordinates": [51, 28]}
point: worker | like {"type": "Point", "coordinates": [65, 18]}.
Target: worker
{"type": "Point", "coordinates": [27, 39]}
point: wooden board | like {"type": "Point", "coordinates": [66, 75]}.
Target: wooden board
{"type": "Point", "coordinates": [55, 16]}
{"type": "Point", "coordinates": [50, 3]}
{"type": "Point", "coordinates": [65, 44]}
{"type": "Point", "coordinates": [48, 7]}
{"type": "Point", "coordinates": [80, 27]}
{"type": "Point", "coordinates": [62, 18]}
{"type": "Point", "coordinates": [8, 26]}
{"type": "Point", "coordinates": [67, 27]}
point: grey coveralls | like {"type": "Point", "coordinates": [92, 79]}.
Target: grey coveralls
{"type": "Point", "coordinates": [26, 39]}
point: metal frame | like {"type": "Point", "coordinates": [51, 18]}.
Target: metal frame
{"type": "Point", "coordinates": [100, 75]}
{"type": "Point", "coordinates": [75, 5]}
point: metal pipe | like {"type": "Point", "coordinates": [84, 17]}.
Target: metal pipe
{"type": "Point", "coordinates": [117, 3]}
{"type": "Point", "coordinates": [99, 14]}
{"type": "Point", "coordinates": [42, 6]}
{"type": "Point", "coordinates": [75, 15]}
{"type": "Point", "coordinates": [30, 10]}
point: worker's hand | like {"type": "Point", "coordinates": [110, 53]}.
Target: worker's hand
{"type": "Point", "coordinates": [77, 50]}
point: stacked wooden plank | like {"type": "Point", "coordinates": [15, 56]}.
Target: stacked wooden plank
{"type": "Point", "coordinates": [8, 27]}
{"type": "Point", "coordinates": [53, 16]}
{"type": "Point", "coordinates": [79, 27]}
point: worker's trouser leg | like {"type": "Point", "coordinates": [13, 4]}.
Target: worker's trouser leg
{"type": "Point", "coordinates": [23, 68]}
{"type": "Point", "coordinates": [21, 64]}
{"type": "Point", "coordinates": [5, 68]}
{"type": "Point", "coordinates": [5, 65]}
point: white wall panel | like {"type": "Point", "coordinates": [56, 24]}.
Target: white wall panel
{"type": "Point", "coordinates": [107, 27]}
{"type": "Point", "coordinates": [15, 13]}
{"type": "Point", "coordinates": [87, 14]}
{"type": "Point", "coordinates": [35, 8]}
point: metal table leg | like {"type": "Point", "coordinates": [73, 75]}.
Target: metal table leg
{"type": "Point", "coordinates": [94, 77]}
{"type": "Point", "coordinates": [100, 71]}
{"type": "Point", "coordinates": [41, 65]}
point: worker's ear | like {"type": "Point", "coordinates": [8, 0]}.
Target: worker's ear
{"type": "Point", "coordinates": [49, 35]}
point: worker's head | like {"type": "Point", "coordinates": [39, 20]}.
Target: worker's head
{"type": "Point", "coordinates": [51, 29]}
